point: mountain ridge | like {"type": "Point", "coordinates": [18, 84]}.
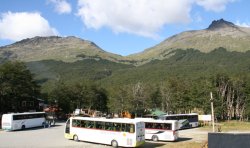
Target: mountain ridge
{"type": "Point", "coordinates": [220, 33]}
{"type": "Point", "coordinates": [67, 49]}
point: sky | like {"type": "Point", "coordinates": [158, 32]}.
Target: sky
{"type": "Point", "coordinates": [122, 27]}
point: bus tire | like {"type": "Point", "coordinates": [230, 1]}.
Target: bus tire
{"type": "Point", "coordinates": [43, 124]}
{"type": "Point", "coordinates": [75, 138]}
{"type": "Point", "coordinates": [155, 138]}
{"type": "Point", "coordinates": [23, 127]}
{"type": "Point", "coordinates": [114, 143]}
{"type": "Point", "coordinates": [53, 122]}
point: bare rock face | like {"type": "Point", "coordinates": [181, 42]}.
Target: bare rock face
{"type": "Point", "coordinates": [221, 24]}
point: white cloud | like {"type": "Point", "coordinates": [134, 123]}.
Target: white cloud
{"type": "Point", "coordinates": [214, 5]}
{"type": "Point", "coordinates": [242, 24]}
{"type": "Point", "coordinates": [21, 25]}
{"type": "Point", "coordinates": [141, 17]}
{"type": "Point", "coordinates": [61, 6]}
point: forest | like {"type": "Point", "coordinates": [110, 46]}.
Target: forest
{"type": "Point", "coordinates": [179, 84]}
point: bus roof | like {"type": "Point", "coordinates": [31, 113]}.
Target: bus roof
{"type": "Point", "coordinates": [24, 113]}
{"type": "Point", "coordinates": [155, 120]}
{"type": "Point", "coordinates": [119, 120]}
{"type": "Point", "coordinates": [180, 114]}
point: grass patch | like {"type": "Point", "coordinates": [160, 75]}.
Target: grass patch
{"type": "Point", "coordinates": [227, 126]}
{"type": "Point", "coordinates": [184, 145]}
{"type": "Point", "coordinates": [235, 126]}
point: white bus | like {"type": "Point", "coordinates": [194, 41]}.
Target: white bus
{"type": "Point", "coordinates": [160, 130]}
{"type": "Point", "coordinates": [115, 132]}
{"type": "Point", "coordinates": [185, 120]}
{"type": "Point", "coordinates": [17, 121]}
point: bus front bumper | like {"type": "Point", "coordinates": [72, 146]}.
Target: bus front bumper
{"type": "Point", "coordinates": [68, 136]}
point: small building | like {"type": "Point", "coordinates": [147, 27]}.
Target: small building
{"type": "Point", "coordinates": [27, 105]}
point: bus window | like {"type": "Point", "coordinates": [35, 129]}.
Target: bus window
{"type": "Point", "coordinates": [130, 128]}
{"type": "Point", "coordinates": [99, 125]}
{"type": "Point", "coordinates": [74, 123]}
{"type": "Point", "coordinates": [83, 123]}
{"type": "Point", "coordinates": [154, 125]}
{"type": "Point", "coordinates": [123, 127]}
{"type": "Point", "coordinates": [162, 126]}
{"type": "Point", "coordinates": [127, 128]}
{"type": "Point", "coordinates": [78, 123]}
{"type": "Point", "coordinates": [157, 125]}
{"type": "Point", "coordinates": [148, 125]}
{"type": "Point", "coordinates": [18, 117]}
{"type": "Point", "coordinates": [86, 122]}
{"type": "Point", "coordinates": [167, 126]}
{"type": "Point", "coordinates": [91, 124]}
{"type": "Point", "coordinates": [108, 126]}
{"type": "Point", "coordinates": [117, 126]}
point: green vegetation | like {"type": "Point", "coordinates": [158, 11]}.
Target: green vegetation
{"type": "Point", "coordinates": [79, 95]}
{"type": "Point", "coordinates": [179, 84]}
{"type": "Point", "coordinates": [49, 72]}
{"type": "Point", "coordinates": [235, 126]}
{"type": "Point", "coordinates": [230, 126]}
{"type": "Point", "coordinates": [16, 85]}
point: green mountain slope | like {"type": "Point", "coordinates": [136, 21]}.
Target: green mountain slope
{"type": "Point", "coordinates": [219, 34]}
{"type": "Point", "coordinates": [188, 64]}
{"type": "Point", "coordinates": [49, 72]}
{"type": "Point", "coordinates": [67, 49]}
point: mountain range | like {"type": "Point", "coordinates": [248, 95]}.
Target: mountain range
{"type": "Point", "coordinates": [220, 33]}
{"type": "Point", "coordinates": [189, 54]}
{"type": "Point", "coordinates": [67, 49]}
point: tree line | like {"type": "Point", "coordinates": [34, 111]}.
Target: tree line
{"type": "Point", "coordinates": [173, 95]}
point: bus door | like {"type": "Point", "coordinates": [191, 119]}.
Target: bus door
{"type": "Point", "coordinates": [67, 128]}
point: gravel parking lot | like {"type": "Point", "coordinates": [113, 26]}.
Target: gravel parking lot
{"type": "Point", "coordinates": [54, 138]}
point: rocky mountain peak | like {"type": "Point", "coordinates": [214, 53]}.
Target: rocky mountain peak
{"type": "Point", "coordinates": [35, 40]}
{"type": "Point", "coordinates": [51, 40]}
{"type": "Point", "coordinates": [220, 24]}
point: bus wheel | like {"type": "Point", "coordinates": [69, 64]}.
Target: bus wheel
{"type": "Point", "coordinates": [23, 127]}
{"type": "Point", "coordinates": [155, 138]}
{"type": "Point", "coordinates": [75, 138]}
{"type": "Point", "coordinates": [114, 143]}
{"type": "Point", "coordinates": [43, 124]}
{"type": "Point", "coordinates": [53, 122]}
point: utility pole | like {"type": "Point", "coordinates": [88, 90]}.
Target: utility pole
{"type": "Point", "coordinates": [212, 108]}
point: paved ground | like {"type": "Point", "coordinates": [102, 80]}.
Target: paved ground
{"type": "Point", "coordinates": [54, 138]}
{"type": "Point", "coordinates": [194, 135]}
